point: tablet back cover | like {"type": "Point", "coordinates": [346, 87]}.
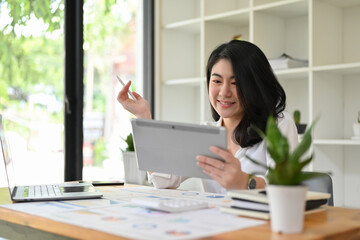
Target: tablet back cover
{"type": "Point", "coordinates": [172, 147]}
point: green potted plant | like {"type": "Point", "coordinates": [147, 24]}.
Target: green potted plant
{"type": "Point", "coordinates": [356, 128]}
{"type": "Point", "coordinates": [284, 187]}
{"type": "Point", "coordinates": [131, 170]}
{"type": "Point", "coordinates": [129, 143]}
{"type": "Point", "coordinates": [297, 117]}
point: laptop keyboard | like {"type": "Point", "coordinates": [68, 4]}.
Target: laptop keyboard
{"type": "Point", "coordinates": [42, 191]}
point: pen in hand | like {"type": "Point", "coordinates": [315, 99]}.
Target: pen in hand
{"type": "Point", "coordinates": [122, 83]}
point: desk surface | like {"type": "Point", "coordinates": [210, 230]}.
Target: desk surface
{"type": "Point", "coordinates": [334, 223]}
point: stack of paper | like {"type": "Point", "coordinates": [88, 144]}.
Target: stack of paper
{"type": "Point", "coordinates": [255, 203]}
{"type": "Point", "coordinates": [285, 61]}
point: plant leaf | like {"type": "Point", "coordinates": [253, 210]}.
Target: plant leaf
{"type": "Point", "coordinates": [302, 164]}
{"type": "Point", "coordinates": [277, 144]}
{"type": "Point", "coordinates": [258, 130]}
{"type": "Point", "coordinates": [303, 146]}
{"type": "Point", "coordinates": [288, 166]}
{"type": "Point", "coordinates": [130, 143]}
{"type": "Point", "coordinates": [256, 162]}
{"type": "Point", "coordinates": [308, 175]}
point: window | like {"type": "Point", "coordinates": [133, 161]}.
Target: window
{"type": "Point", "coordinates": [32, 86]}
{"type": "Point", "coordinates": [112, 47]}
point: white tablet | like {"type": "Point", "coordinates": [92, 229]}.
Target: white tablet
{"type": "Point", "coordinates": [172, 147]}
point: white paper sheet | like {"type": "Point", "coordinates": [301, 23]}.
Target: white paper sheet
{"type": "Point", "coordinates": [116, 215]}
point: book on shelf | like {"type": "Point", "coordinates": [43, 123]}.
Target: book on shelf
{"type": "Point", "coordinates": [254, 203]}
{"type": "Point", "coordinates": [285, 61]}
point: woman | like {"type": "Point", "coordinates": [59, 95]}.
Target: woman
{"type": "Point", "coordinates": [243, 90]}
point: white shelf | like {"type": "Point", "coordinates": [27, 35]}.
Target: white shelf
{"type": "Point", "coordinates": [343, 3]}
{"type": "Point", "coordinates": [192, 26]}
{"type": "Point", "coordinates": [285, 9]}
{"type": "Point", "coordinates": [232, 17]}
{"type": "Point", "coordinates": [342, 69]}
{"type": "Point", "coordinates": [325, 32]}
{"type": "Point", "coordinates": [173, 11]}
{"type": "Point", "coordinates": [336, 142]}
{"type": "Point", "coordinates": [212, 7]}
{"type": "Point", "coordinates": [293, 72]}
{"type": "Point", "coordinates": [185, 82]}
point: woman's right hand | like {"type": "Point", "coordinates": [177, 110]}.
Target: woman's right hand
{"type": "Point", "coordinates": [139, 107]}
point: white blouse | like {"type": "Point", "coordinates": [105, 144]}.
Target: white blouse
{"type": "Point", "coordinates": [257, 152]}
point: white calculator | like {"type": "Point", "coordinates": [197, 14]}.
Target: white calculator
{"type": "Point", "coordinates": [169, 205]}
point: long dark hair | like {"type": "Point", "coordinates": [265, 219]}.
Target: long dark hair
{"type": "Point", "coordinates": [258, 89]}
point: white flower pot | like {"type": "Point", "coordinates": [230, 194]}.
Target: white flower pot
{"type": "Point", "coordinates": [356, 128]}
{"type": "Point", "coordinates": [132, 172]}
{"type": "Point", "coordinates": [287, 206]}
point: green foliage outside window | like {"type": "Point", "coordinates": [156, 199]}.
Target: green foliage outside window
{"type": "Point", "coordinates": [33, 62]}
{"type": "Point", "coordinates": [99, 152]}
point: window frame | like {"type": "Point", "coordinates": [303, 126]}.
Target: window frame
{"type": "Point", "coordinates": [74, 80]}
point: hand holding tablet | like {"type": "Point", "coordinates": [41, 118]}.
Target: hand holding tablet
{"type": "Point", "coordinates": [172, 147]}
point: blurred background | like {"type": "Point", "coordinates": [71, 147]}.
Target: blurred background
{"type": "Point", "coordinates": [32, 85]}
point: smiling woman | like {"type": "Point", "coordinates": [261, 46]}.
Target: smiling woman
{"type": "Point", "coordinates": [243, 91]}
{"type": "Point", "coordinates": [222, 91]}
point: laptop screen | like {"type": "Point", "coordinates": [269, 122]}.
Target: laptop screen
{"type": "Point", "coordinates": [7, 157]}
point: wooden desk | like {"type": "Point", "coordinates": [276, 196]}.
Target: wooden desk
{"type": "Point", "coordinates": [334, 223]}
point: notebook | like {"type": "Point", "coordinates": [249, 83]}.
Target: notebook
{"type": "Point", "coordinates": [63, 191]}
{"type": "Point", "coordinates": [172, 147]}
{"type": "Point", "coordinates": [255, 203]}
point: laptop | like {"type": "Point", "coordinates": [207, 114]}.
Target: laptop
{"type": "Point", "coordinates": [172, 147]}
{"type": "Point", "coordinates": [63, 191]}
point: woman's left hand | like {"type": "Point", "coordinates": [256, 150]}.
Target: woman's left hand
{"type": "Point", "coordinates": [228, 174]}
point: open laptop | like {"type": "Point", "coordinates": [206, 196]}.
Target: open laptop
{"type": "Point", "coordinates": [63, 191]}
{"type": "Point", "coordinates": [172, 147]}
